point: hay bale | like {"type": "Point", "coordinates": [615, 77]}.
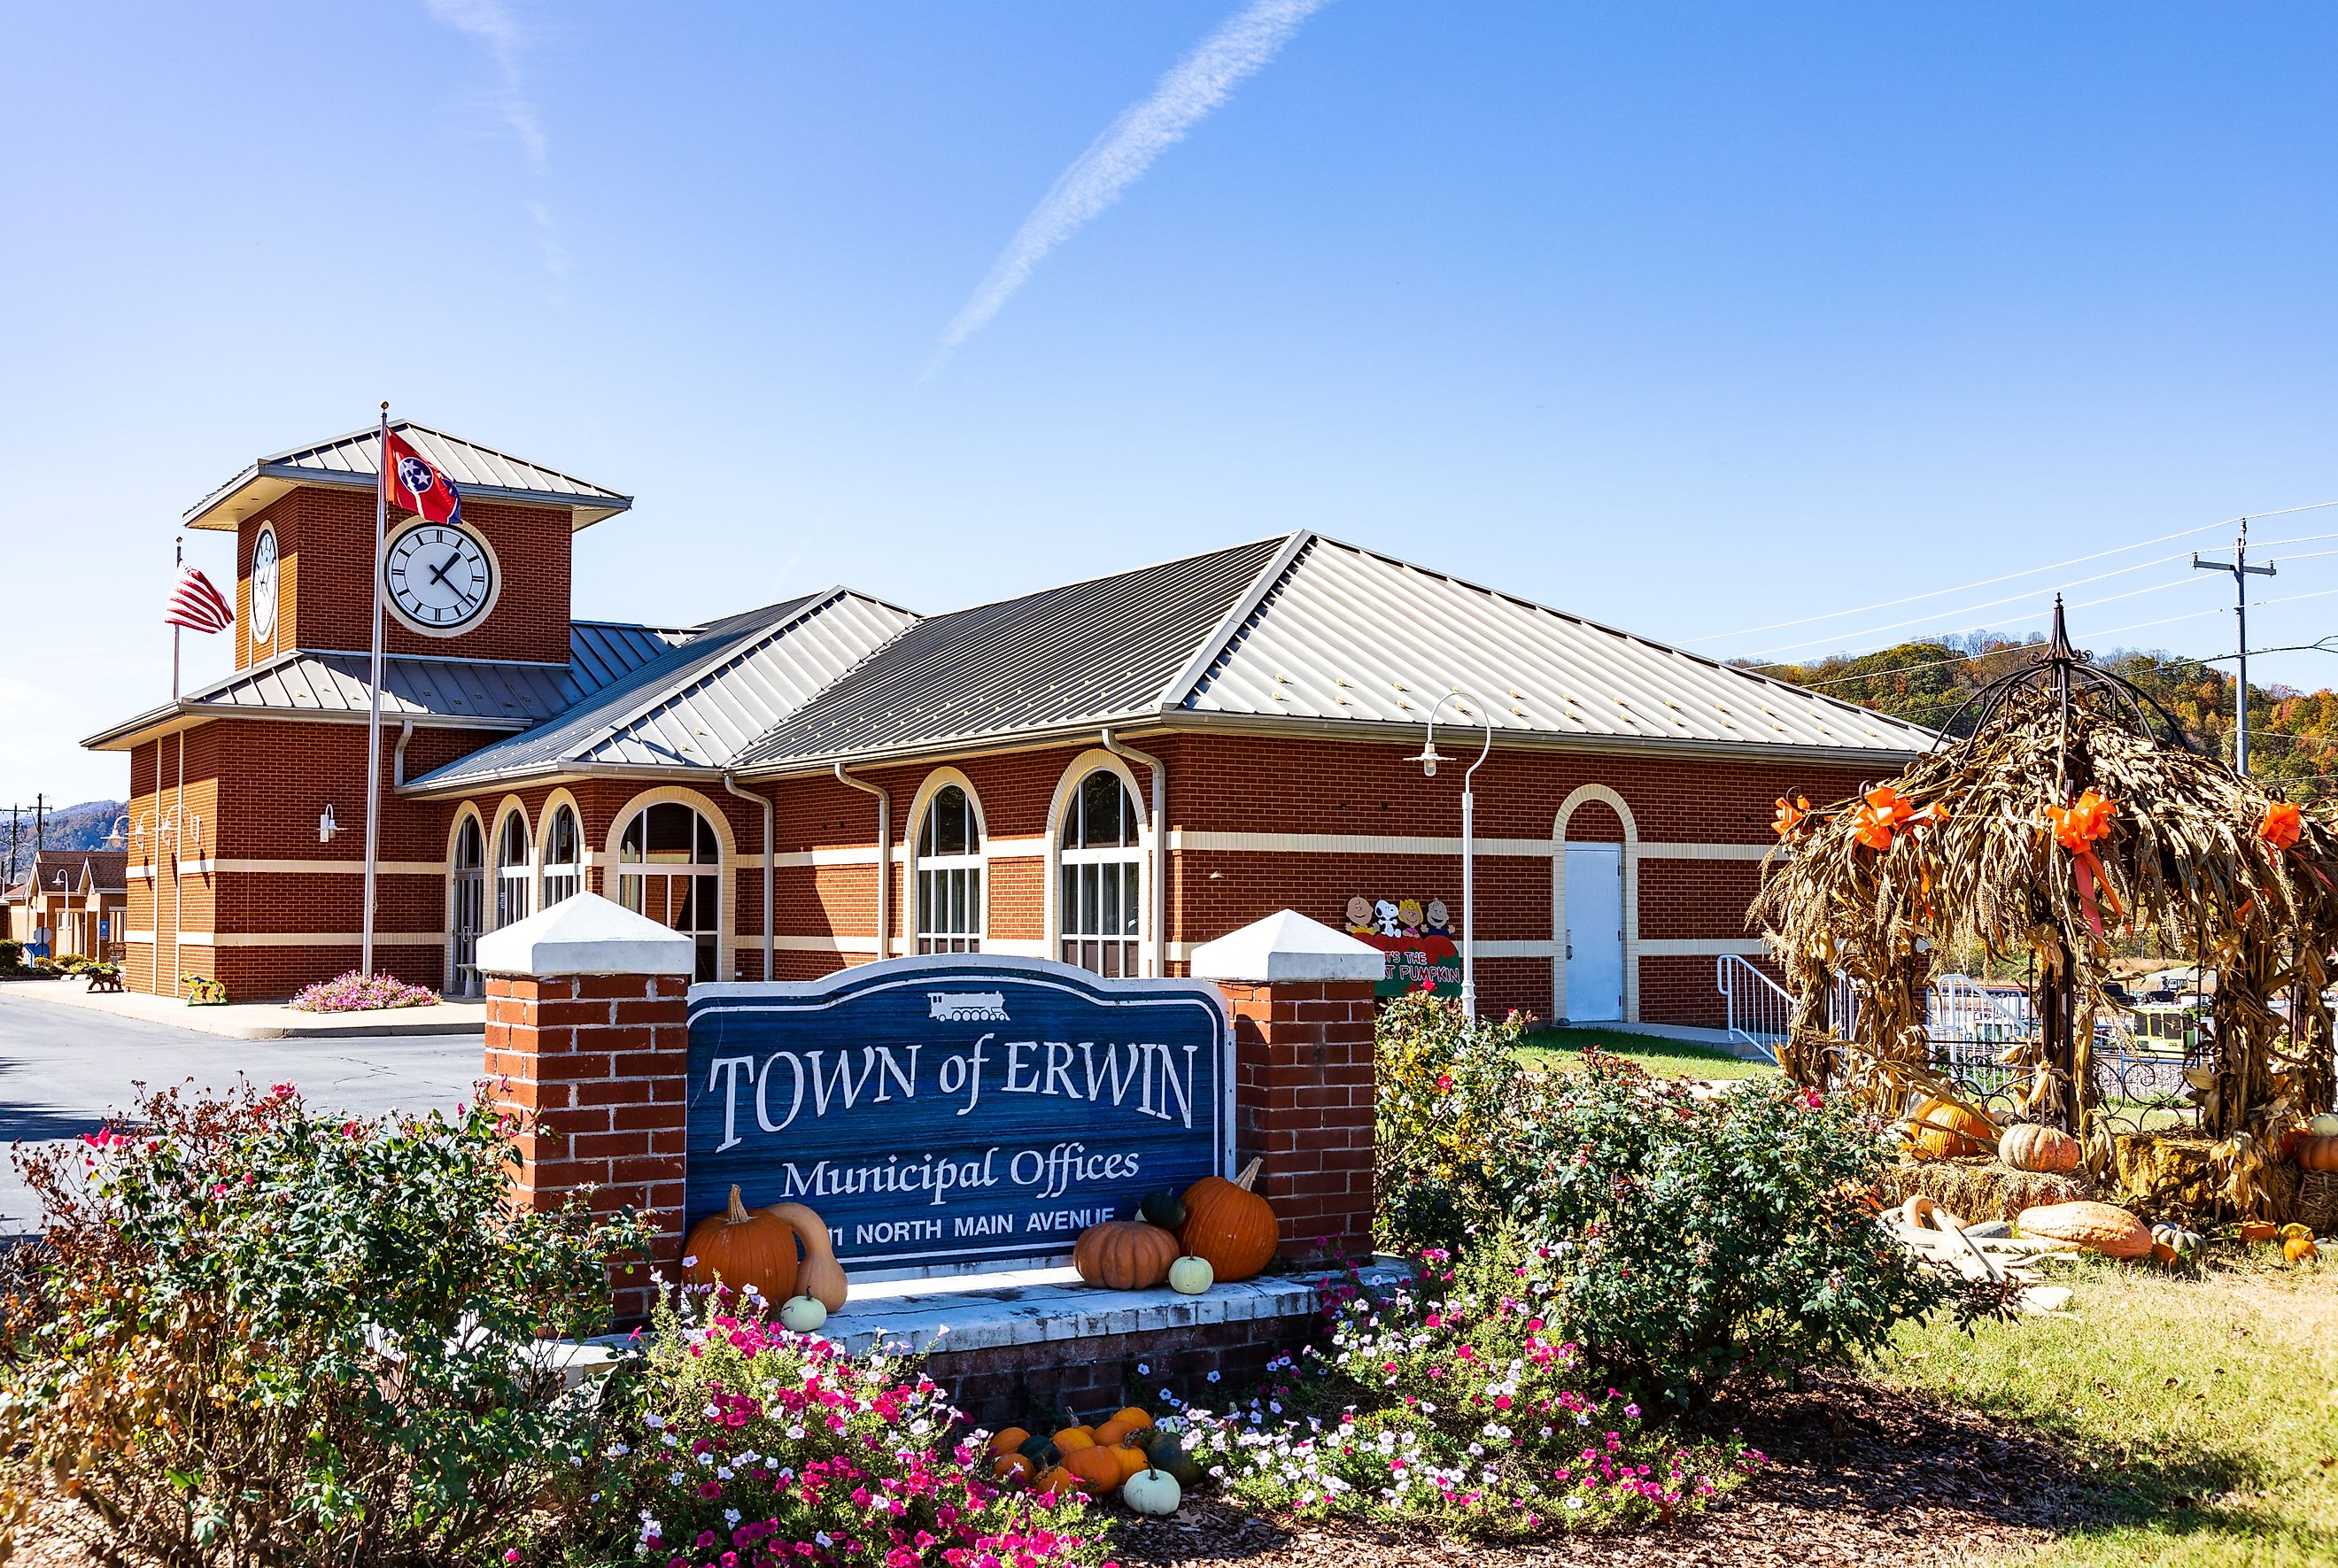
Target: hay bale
{"type": "Point", "coordinates": [1980, 1188]}
{"type": "Point", "coordinates": [2172, 1176]}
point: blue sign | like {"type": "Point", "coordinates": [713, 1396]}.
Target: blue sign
{"type": "Point", "coordinates": [957, 1111]}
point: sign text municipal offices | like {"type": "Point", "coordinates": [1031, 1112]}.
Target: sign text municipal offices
{"type": "Point", "coordinates": [955, 1110]}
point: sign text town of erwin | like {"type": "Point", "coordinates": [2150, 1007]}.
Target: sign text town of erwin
{"type": "Point", "coordinates": [956, 1110]}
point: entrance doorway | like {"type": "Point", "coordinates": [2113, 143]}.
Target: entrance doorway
{"type": "Point", "coordinates": [469, 879]}
{"type": "Point", "coordinates": [1595, 933]}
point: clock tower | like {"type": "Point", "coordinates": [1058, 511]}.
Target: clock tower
{"type": "Point", "coordinates": [492, 586]}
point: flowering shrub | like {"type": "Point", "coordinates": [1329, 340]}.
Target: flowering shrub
{"type": "Point", "coordinates": [265, 1335]}
{"type": "Point", "coordinates": [1697, 1237]}
{"type": "Point", "coordinates": [1454, 1403]}
{"type": "Point", "coordinates": [745, 1446]}
{"type": "Point", "coordinates": [356, 993]}
{"type": "Point", "coordinates": [1445, 1084]}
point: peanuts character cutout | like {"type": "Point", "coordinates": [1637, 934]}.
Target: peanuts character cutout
{"type": "Point", "coordinates": [1359, 916]}
{"type": "Point", "coordinates": [1384, 916]}
{"type": "Point", "coordinates": [1408, 911]}
{"type": "Point", "coordinates": [1438, 921]}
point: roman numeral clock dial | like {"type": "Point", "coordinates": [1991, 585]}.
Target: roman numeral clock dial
{"type": "Point", "coordinates": [439, 578]}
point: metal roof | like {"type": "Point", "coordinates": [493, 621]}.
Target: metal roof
{"type": "Point", "coordinates": [1343, 633]}
{"type": "Point", "coordinates": [697, 705]}
{"type": "Point", "coordinates": [481, 692]}
{"type": "Point", "coordinates": [354, 459]}
{"type": "Point", "coordinates": [1103, 649]}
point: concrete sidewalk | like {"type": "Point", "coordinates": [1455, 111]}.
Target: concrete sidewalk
{"type": "Point", "coordinates": [260, 1020]}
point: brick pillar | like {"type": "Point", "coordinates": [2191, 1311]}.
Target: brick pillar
{"type": "Point", "coordinates": [586, 1032]}
{"type": "Point", "coordinates": [1300, 995]}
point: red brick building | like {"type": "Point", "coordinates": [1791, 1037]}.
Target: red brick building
{"type": "Point", "coordinates": [1110, 772]}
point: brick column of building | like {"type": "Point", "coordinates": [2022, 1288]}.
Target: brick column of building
{"type": "Point", "coordinates": [1301, 995]}
{"type": "Point", "coordinates": [588, 1032]}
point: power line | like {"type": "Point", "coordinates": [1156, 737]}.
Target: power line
{"type": "Point", "coordinates": [2030, 572]}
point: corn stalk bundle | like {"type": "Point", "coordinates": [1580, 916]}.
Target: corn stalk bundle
{"type": "Point", "coordinates": [2190, 857]}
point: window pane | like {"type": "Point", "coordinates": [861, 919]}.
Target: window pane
{"type": "Point", "coordinates": [708, 852]}
{"type": "Point", "coordinates": [630, 849]}
{"type": "Point", "coordinates": [467, 844]}
{"type": "Point", "coordinates": [973, 926]}
{"type": "Point", "coordinates": [1108, 902]}
{"type": "Point", "coordinates": [706, 958]}
{"type": "Point", "coordinates": [629, 893]}
{"type": "Point", "coordinates": [947, 819]}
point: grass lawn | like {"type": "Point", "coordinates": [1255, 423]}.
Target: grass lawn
{"type": "Point", "coordinates": [2210, 1407]}
{"type": "Point", "coordinates": [1564, 1047]}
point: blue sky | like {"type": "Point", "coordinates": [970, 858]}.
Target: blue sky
{"type": "Point", "coordinates": [1689, 317]}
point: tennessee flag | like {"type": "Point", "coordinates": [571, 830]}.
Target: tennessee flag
{"type": "Point", "coordinates": [409, 480]}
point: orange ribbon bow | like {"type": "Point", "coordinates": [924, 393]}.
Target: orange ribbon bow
{"type": "Point", "coordinates": [1788, 822]}
{"type": "Point", "coordinates": [1873, 823]}
{"type": "Point", "coordinates": [2077, 827]}
{"type": "Point", "coordinates": [2283, 825]}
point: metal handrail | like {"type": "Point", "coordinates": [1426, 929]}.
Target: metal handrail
{"type": "Point", "coordinates": [1755, 1008]}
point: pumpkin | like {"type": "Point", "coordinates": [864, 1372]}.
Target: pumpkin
{"type": "Point", "coordinates": [2323, 1125]}
{"type": "Point", "coordinates": [1124, 1255]}
{"type": "Point", "coordinates": [2102, 1228]}
{"type": "Point", "coordinates": [1057, 1479]}
{"type": "Point", "coordinates": [1012, 1468]}
{"type": "Point", "coordinates": [2163, 1254]}
{"type": "Point", "coordinates": [1191, 1276]}
{"type": "Point", "coordinates": [2318, 1152]}
{"type": "Point", "coordinates": [1008, 1440]}
{"type": "Point", "coordinates": [1132, 1460]}
{"type": "Point", "coordinates": [2259, 1229]}
{"type": "Point", "coordinates": [1168, 1451]}
{"type": "Point", "coordinates": [820, 1277]}
{"type": "Point", "coordinates": [2028, 1146]}
{"type": "Point", "coordinates": [1042, 1452]}
{"type": "Point", "coordinates": [1153, 1492]}
{"type": "Point", "coordinates": [742, 1249]}
{"type": "Point", "coordinates": [1097, 1468]}
{"type": "Point", "coordinates": [1165, 1210]}
{"type": "Point", "coordinates": [1230, 1226]}
{"type": "Point", "coordinates": [804, 1314]}
{"type": "Point", "coordinates": [1120, 1428]}
{"type": "Point", "coordinates": [2300, 1250]}
{"type": "Point", "coordinates": [1940, 1131]}
{"type": "Point", "coordinates": [2184, 1244]}
{"type": "Point", "coordinates": [1072, 1440]}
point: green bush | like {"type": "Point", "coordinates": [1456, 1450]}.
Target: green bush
{"type": "Point", "coordinates": [1456, 1402]}
{"type": "Point", "coordinates": [1447, 1086]}
{"type": "Point", "coordinates": [269, 1336]}
{"type": "Point", "coordinates": [734, 1442]}
{"type": "Point", "coordinates": [12, 955]}
{"type": "Point", "coordinates": [1695, 1239]}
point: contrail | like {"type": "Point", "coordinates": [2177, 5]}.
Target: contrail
{"type": "Point", "coordinates": [1189, 90]}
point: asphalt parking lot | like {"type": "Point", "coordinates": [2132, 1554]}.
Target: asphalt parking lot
{"type": "Point", "coordinates": [62, 1070]}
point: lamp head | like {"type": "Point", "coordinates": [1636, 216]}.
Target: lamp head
{"type": "Point", "coordinates": [1429, 759]}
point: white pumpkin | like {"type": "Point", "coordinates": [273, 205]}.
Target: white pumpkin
{"type": "Point", "coordinates": [1191, 1276]}
{"type": "Point", "coordinates": [804, 1314]}
{"type": "Point", "coordinates": [2325, 1125]}
{"type": "Point", "coordinates": [1154, 1492]}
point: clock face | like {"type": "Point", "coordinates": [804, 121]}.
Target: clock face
{"type": "Point", "coordinates": [263, 586]}
{"type": "Point", "coordinates": [440, 578]}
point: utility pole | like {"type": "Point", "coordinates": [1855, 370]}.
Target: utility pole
{"type": "Point", "coordinates": [40, 811]}
{"type": "Point", "coordinates": [2242, 572]}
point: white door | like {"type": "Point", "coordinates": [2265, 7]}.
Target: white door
{"type": "Point", "coordinates": [1595, 933]}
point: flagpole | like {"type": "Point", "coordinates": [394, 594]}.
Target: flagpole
{"type": "Point", "coordinates": [373, 698]}
{"type": "Point", "coordinates": [178, 565]}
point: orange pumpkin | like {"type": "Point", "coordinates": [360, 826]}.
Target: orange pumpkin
{"type": "Point", "coordinates": [1008, 1440]}
{"type": "Point", "coordinates": [1012, 1468]}
{"type": "Point", "coordinates": [2318, 1152]}
{"type": "Point", "coordinates": [1132, 1460]}
{"type": "Point", "coordinates": [1229, 1225]}
{"type": "Point", "coordinates": [2103, 1228]}
{"type": "Point", "coordinates": [1099, 1468]}
{"type": "Point", "coordinates": [1057, 1480]}
{"type": "Point", "coordinates": [2300, 1250]}
{"type": "Point", "coordinates": [743, 1249]}
{"type": "Point", "coordinates": [1124, 1255]}
{"type": "Point", "coordinates": [2259, 1229]}
{"type": "Point", "coordinates": [1940, 1131]}
{"type": "Point", "coordinates": [2028, 1146]}
{"type": "Point", "coordinates": [1124, 1424]}
{"type": "Point", "coordinates": [1071, 1439]}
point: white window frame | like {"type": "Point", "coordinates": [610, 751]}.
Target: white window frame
{"type": "Point", "coordinates": [462, 947]}
{"type": "Point", "coordinates": [569, 873]}
{"type": "Point", "coordinates": [1064, 943]}
{"type": "Point", "coordinates": [973, 866]}
{"type": "Point", "coordinates": [511, 884]}
{"type": "Point", "coordinates": [617, 869]}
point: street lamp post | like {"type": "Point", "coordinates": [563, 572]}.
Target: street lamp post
{"type": "Point", "coordinates": [1428, 760]}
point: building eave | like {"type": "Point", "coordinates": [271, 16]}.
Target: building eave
{"type": "Point", "coordinates": [261, 484]}
{"type": "Point", "coordinates": [170, 719]}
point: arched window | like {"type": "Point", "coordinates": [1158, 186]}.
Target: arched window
{"type": "Point", "coordinates": [513, 872]}
{"type": "Point", "coordinates": [1100, 890]}
{"type": "Point", "coordinates": [949, 875]}
{"type": "Point", "coordinates": [564, 858]}
{"type": "Point", "coordinates": [670, 869]}
{"type": "Point", "coordinates": [468, 879]}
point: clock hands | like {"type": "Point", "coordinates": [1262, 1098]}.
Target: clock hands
{"type": "Point", "coordinates": [439, 571]}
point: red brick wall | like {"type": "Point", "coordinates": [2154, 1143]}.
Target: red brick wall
{"type": "Point", "coordinates": [324, 539]}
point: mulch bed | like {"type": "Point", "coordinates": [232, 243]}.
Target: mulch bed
{"type": "Point", "coordinates": [1859, 1475]}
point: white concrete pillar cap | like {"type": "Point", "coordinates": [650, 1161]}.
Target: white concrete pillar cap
{"type": "Point", "coordinates": [586, 935]}
{"type": "Point", "coordinates": [1288, 946]}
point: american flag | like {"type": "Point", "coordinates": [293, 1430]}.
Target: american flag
{"type": "Point", "coordinates": [197, 605]}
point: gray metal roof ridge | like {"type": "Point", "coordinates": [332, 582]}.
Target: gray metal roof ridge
{"type": "Point", "coordinates": [281, 465]}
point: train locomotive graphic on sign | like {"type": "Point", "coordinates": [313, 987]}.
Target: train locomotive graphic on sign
{"type": "Point", "coordinates": [960, 1110]}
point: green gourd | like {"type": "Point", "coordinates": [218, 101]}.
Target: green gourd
{"type": "Point", "coordinates": [1165, 1210]}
